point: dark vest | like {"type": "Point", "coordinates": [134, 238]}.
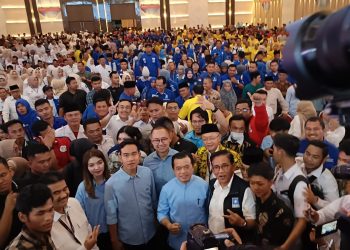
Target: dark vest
{"type": "Point", "coordinates": [233, 201]}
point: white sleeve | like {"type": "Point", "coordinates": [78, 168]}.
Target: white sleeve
{"type": "Point", "coordinates": [300, 204]}
{"type": "Point", "coordinates": [330, 191]}
{"type": "Point", "coordinates": [248, 205]}
{"type": "Point", "coordinates": [6, 111]}
{"type": "Point", "coordinates": [295, 127]}
{"type": "Point", "coordinates": [328, 212]}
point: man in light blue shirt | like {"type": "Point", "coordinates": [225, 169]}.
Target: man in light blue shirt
{"type": "Point", "coordinates": [130, 200]}
{"type": "Point", "coordinates": [160, 160]}
{"type": "Point", "coordinates": [182, 201]}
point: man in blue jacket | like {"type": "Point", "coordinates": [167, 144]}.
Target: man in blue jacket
{"type": "Point", "coordinates": [150, 59]}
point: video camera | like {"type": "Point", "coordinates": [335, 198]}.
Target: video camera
{"type": "Point", "coordinates": [317, 55]}
{"type": "Point", "coordinates": [200, 237]}
{"type": "Point", "coordinates": [341, 172]}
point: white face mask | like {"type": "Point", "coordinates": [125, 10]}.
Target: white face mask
{"type": "Point", "coordinates": [238, 137]}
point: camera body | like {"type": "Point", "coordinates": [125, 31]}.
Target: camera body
{"type": "Point", "coordinates": [200, 237]}
{"type": "Point", "coordinates": [341, 172]}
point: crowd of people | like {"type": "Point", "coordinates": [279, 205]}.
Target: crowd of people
{"type": "Point", "coordinates": [125, 140]}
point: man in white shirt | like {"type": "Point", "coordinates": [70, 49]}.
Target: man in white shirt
{"type": "Point", "coordinates": [71, 229]}
{"type": "Point", "coordinates": [323, 187]}
{"type": "Point", "coordinates": [9, 108]}
{"type": "Point", "coordinates": [93, 131]}
{"type": "Point", "coordinates": [73, 130]}
{"type": "Point", "coordinates": [71, 67]}
{"type": "Point", "coordinates": [103, 69]}
{"type": "Point", "coordinates": [274, 96]}
{"type": "Point", "coordinates": [118, 121]}
{"type": "Point", "coordinates": [34, 90]}
{"type": "Point", "coordinates": [232, 202]}
{"type": "Point", "coordinates": [285, 149]}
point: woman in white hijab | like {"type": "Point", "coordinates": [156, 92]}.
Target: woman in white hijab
{"type": "Point", "coordinates": [15, 79]}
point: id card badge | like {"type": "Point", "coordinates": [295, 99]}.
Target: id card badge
{"type": "Point", "coordinates": [235, 202]}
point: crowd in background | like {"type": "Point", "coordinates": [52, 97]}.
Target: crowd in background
{"type": "Point", "coordinates": [125, 140]}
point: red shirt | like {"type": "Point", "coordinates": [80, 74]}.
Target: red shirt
{"type": "Point", "coordinates": [259, 125]}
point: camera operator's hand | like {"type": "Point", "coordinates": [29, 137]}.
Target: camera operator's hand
{"type": "Point", "coordinates": [311, 215]}
{"type": "Point", "coordinates": [234, 234]}
{"type": "Point", "coordinates": [234, 218]}
{"type": "Point", "coordinates": [174, 228]}
{"type": "Point", "coordinates": [183, 245]}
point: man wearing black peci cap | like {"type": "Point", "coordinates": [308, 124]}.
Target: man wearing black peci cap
{"type": "Point", "coordinates": [73, 130]}
{"type": "Point", "coordinates": [73, 94]}
{"type": "Point", "coordinates": [129, 92]}
{"type": "Point", "coordinates": [185, 93]}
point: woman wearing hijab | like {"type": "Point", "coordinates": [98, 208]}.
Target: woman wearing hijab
{"type": "Point", "coordinates": [228, 96]}
{"type": "Point", "coordinates": [9, 148]}
{"type": "Point", "coordinates": [26, 115]}
{"type": "Point", "coordinates": [305, 110]}
{"type": "Point", "coordinates": [190, 78]}
{"type": "Point", "coordinates": [15, 79]}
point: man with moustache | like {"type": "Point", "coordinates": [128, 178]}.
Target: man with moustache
{"type": "Point", "coordinates": [71, 229]}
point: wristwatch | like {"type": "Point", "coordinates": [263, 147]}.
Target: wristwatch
{"type": "Point", "coordinates": [214, 110]}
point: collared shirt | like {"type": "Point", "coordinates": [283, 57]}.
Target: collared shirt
{"type": "Point", "coordinates": [325, 183]}
{"type": "Point", "coordinates": [162, 169]}
{"type": "Point", "coordinates": [94, 208]}
{"type": "Point", "coordinates": [104, 72]}
{"type": "Point", "coordinates": [166, 96]}
{"type": "Point", "coordinates": [66, 131]}
{"type": "Point", "coordinates": [216, 207]}
{"type": "Point", "coordinates": [9, 109]}
{"type": "Point", "coordinates": [130, 203]}
{"type": "Point", "coordinates": [274, 96]}
{"type": "Point", "coordinates": [60, 235]}
{"type": "Point", "coordinates": [58, 122]}
{"type": "Point", "coordinates": [190, 105]}
{"type": "Point", "coordinates": [282, 183]}
{"type": "Point", "coordinates": [71, 70]}
{"type": "Point", "coordinates": [144, 127]}
{"type": "Point", "coordinates": [106, 144]}
{"type": "Point", "coordinates": [113, 126]}
{"type": "Point", "coordinates": [196, 140]}
{"type": "Point", "coordinates": [184, 204]}
{"type": "Point", "coordinates": [27, 240]}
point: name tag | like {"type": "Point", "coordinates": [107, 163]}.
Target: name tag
{"type": "Point", "coordinates": [235, 202]}
{"type": "Point", "coordinates": [153, 60]}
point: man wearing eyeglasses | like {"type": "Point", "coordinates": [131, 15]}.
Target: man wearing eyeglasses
{"type": "Point", "coordinates": [231, 202]}
{"type": "Point", "coordinates": [160, 160]}
{"type": "Point", "coordinates": [211, 138]}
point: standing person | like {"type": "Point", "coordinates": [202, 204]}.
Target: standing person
{"type": "Point", "coordinates": [9, 111]}
{"type": "Point", "coordinates": [131, 197]}
{"type": "Point", "coordinates": [71, 229]}
{"type": "Point", "coordinates": [160, 160]}
{"type": "Point", "coordinates": [150, 60]}
{"type": "Point", "coordinates": [35, 210]}
{"type": "Point", "coordinates": [289, 177]}
{"type": "Point", "coordinates": [274, 218]}
{"type": "Point", "coordinates": [253, 86]}
{"type": "Point", "coordinates": [182, 201]}
{"type": "Point", "coordinates": [73, 130]}
{"type": "Point", "coordinates": [228, 96]}
{"type": "Point", "coordinates": [116, 88]}
{"type": "Point", "coordinates": [10, 225]}
{"type": "Point", "coordinates": [91, 192]}
{"type": "Point", "coordinates": [27, 116]}
{"type": "Point", "coordinates": [73, 94]}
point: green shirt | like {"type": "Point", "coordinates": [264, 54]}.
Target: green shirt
{"type": "Point", "coordinates": [251, 89]}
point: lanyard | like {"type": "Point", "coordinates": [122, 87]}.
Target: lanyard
{"type": "Point", "coordinates": [71, 229]}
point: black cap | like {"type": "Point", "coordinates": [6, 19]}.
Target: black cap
{"type": "Point", "coordinates": [46, 88]}
{"type": "Point", "coordinates": [14, 87]}
{"type": "Point", "coordinates": [268, 78]}
{"type": "Point", "coordinates": [282, 71]}
{"type": "Point", "coordinates": [183, 85]}
{"type": "Point", "coordinates": [129, 84]}
{"type": "Point", "coordinates": [209, 128]}
{"type": "Point", "coordinates": [71, 107]}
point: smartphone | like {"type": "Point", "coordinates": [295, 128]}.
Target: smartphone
{"type": "Point", "coordinates": [326, 229]}
{"type": "Point", "coordinates": [222, 236]}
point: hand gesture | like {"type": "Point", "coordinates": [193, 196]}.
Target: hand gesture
{"type": "Point", "coordinates": [205, 104]}
{"type": "Point", "coordinates": [234, 218]}
{"type": "Point", "coordinates": [311, 215]}
{"type": "Point", "coordinates": [174, 228]}
{"type": "Point", "coordinates": [234, 234]}
{"type": "Point", "coordinates": [256, 98]}
{"type": "Point", "coordinates": [309, 195]}
{"type": "Point", "coordinates": [49, 139]}
{"type": "Point", "coordinates": [112, 109]}
{"type": "Point", "coordinates": [10, 201]}
{"type": "Point", "coordinates": [183, 128]}
{"type": "Point", "coordinates": [91, 239]}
